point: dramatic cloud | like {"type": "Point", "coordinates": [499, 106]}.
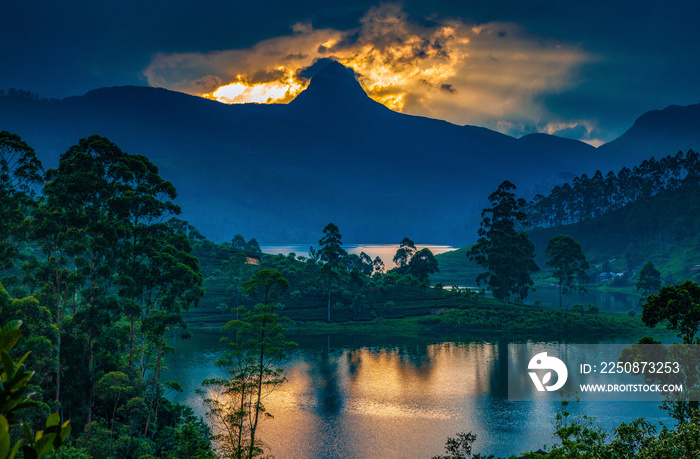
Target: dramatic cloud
{"type": "Point", "coordinates": [490, 74]}
{"type": "Point", "coordinates": [583, 130]}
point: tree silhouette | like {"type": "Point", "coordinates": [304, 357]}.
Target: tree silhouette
{"type": "Point", "coordinates": [503, 248]}
{"type": "Point", "coordinates": [569, 263]}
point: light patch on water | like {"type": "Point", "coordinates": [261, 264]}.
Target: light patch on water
{"type": "Point", "coordinates": [394, 410]}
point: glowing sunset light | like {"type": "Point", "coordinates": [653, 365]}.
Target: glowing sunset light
{"type": "Point", "coordinates": [262, 93]}
{"type": "Point", "coordinates": [493, 74]}
{"type": "Point", "coordinates": [330, 43]}
{"type": "Point", "coordinates": [272, 92]}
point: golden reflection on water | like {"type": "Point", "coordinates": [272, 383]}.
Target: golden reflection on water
{"type": "Point", "coordinates": [369, 397]}
{"type": "Point", "coordinates": [399, 400]}
{"type": "Point", "coordinates": [443, 371]}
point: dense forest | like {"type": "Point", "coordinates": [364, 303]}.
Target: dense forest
{"type": "Point", "coordinates": [108, 279]}
{"type": "Point", "coordinates": [586, 197]}
{"type": "Point", "coordinates": [106, 273]}
{"type": "Point", "coordinates": [98, 276]}
{"type": "Point", "coordinates": [645, 213]}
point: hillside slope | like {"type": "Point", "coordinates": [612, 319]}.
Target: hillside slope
{"type": "Point", "coordinates": [280, 173]}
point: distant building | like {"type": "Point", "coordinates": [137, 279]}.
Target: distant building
{"type": "Point", "coordinates": [603, 277]}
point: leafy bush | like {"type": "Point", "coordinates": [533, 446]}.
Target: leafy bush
{"type": "Point", "coordinates": [16, 396]}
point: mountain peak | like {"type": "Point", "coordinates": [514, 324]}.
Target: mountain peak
{"type": "Point", "coordinates": [332, 77]}
{"type": "Point", "coordinates": [332, 84]}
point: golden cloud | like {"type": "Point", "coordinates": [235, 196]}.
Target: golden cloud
{"type": "Point", "coordinates": [489, 74]}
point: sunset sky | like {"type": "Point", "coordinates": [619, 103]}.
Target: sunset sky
{"type": "Point", "coordinates": [583, 70]}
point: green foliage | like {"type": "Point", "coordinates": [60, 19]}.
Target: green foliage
{"type": "Point", "coordinates": [108, 256]}
{"type": "Point", "coordinates": [355, 289]}
{"type": "Point", "coordinates": [679, 307]}
{"type": "Point", "coordinates": [423, 264]}
{"type": "Point", "coordinates": [640, 226]}
{"type": "Point", "coordinates": [580, 437]}
{"type": "Point", "coordinates": [591, 197]}
{"type": "Point", "coordinates": [455, 267]}
{"type": "Point", "coordinates": [110, 281]}
{"type": "Point", "coordinates": [331, 250]}
{"type": "Point", "coordinates": [191, 441]}
{"type": "Point", "coordinates": [649, 279]}
{"type": "Point", "coordinates": [461, 447]}
{"type": "Point", "coordinates": [503, 249]}
{"type": "Point", "coordinates": [20, 175]}
{"type": "Point", "coordinates": [569, 263]}
{"type": "Point", "coordinates": [256, 348]}
{"type": "Point", "coordinates": [16, 396]}
{"type": "Point", "coordinates": [405, 252]}
{"type": "Point", "coordinates": [678, 404]}
{"type": "Point", "coordinates": [535, 321]}
{"type": "Point", "coordinates": [331, 253]}
{"type": "Point", "coordinates": [111, 388]}
{"type": "Point", "coordinates": [378, 265]}
{"type": "Point", "coordinates": [185, 228]}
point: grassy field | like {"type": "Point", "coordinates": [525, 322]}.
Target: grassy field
{"type": "Point", "coordinates": [536, 321]}
{"type": "Point", "coordinates": [456, 269]}
{"type": "Point", "coordinates": [473, 317]}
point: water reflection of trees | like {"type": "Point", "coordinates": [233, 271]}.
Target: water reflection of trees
{"type": "Point", "coordinates": [498, 376]}
{"type": "Point", "coordinates": [480, 368]}
{"type": "Point", "coordinates": [422, 379]}
{"type": "Point", "coordinates": [324, 376]}
{"type": "Point", "coordinates": [415, 360]}
{"type": "Point", "coordinates": [433, 372]}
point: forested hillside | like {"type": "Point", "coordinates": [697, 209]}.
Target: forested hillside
{"type": "Point", "coordinates": [649, 212]}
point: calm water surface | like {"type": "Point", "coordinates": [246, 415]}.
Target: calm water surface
{"type": "Point", "coordinates": [373, 397]}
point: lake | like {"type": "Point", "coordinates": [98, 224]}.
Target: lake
{"type": "Point", "coordinates": [394, 397]}
{"type": "Point", "coordinates": [397, 397]}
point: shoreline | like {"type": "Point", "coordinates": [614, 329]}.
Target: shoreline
{"type": "Point", "coordinates": [522, 321]}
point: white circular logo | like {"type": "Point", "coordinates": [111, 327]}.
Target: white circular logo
{"type": "Point", "coordinates": [542, 362]}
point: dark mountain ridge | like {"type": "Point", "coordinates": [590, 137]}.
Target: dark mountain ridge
{"type": "Point", "coordinates": [657, 133]}
{"type": "Point", "coordinates": [281, 172]}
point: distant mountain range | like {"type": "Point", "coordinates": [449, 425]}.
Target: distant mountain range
{"type": "Point", "coordinates": [280, 173]}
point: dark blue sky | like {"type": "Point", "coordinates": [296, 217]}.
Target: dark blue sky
{"type": "Point", "coordinates": [630, 56]}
